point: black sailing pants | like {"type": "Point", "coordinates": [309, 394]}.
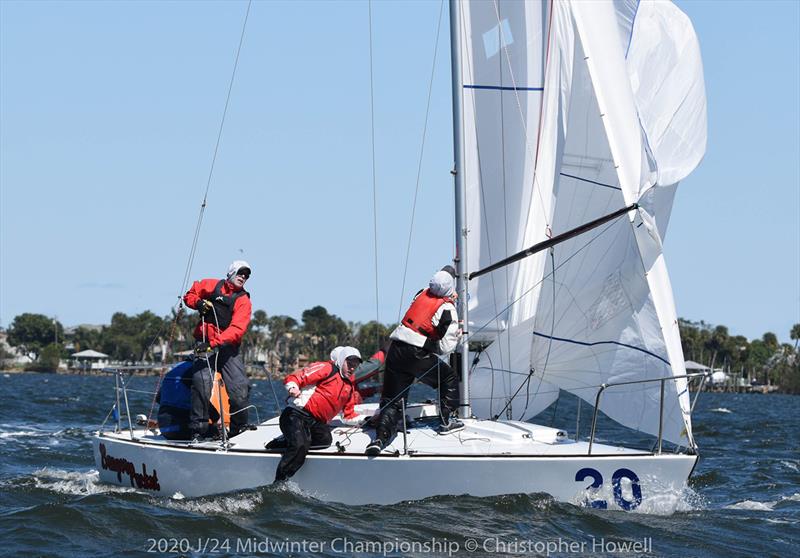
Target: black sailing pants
{"type": "Point", "coordinates": [228, 362]}
{"type": "Point", "coordinates": [404, 364]}
{"type": "Point", "coordinates": [301, 431]}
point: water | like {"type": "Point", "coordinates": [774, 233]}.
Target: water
{"type": "Point", "coordinates": [744, 498]}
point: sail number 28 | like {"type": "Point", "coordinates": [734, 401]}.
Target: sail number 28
{"type": "Point", "coordinates": [616, 483]}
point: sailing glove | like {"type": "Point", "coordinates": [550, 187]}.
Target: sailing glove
{"type": "Point", "coordinates": [204, 307]}
{"type": "Point", "coordinates": [202, 348]}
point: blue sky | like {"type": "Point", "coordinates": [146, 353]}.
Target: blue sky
{"type": "Point", "coordinates": [109, 113]}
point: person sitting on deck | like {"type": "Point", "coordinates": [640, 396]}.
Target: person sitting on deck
{"type": "Point", "coordinates": [321, 390]}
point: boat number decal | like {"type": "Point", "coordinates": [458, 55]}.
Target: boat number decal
{"type": "Point", "coordinates": [120, 465]}
{"type": "Point", "coordinates": [616, 482]}
{"type": "Point", "coordinates": [616, 479]}
{"type": "Point", "coordinates": [598, 482]}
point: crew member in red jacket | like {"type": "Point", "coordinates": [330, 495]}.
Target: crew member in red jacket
{"type": "Point", "coordinates": [225, 311]}
{"type": "Point", "coordinates": [321, 391]}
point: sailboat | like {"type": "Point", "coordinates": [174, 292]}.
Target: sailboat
{"type": "Point", "coordinates": [574, 122]}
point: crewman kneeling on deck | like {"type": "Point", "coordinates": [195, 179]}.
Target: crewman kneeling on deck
{"type": "Point", "coordinates": [225, 311]}
{"type": "Point", "coordinates": [321, 391]}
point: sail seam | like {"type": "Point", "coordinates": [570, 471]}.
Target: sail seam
{"type": "Point", "coordinates": [633, 26]}
{"type": "Point", "coordinates": [586, 344]}
{"type": "Point", "coordinates": [590, 181]}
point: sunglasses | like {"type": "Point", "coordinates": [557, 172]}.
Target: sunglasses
{"type": "Point", "coordinates": [244, 273]}
{"type": "Point", "coordinates": [353, 361]}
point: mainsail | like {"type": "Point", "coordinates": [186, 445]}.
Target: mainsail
{"type": "Point", "coordinates": [573, 110]}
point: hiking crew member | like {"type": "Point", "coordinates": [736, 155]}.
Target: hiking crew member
{"type": "Point", "coordinates": [366, 371]}
{"type": "Point", "coordinates": [428, 330]}
{"type": "Point", "coordinates": [225, 309]}
{"type": "Point", "coordinates": [321, 391]}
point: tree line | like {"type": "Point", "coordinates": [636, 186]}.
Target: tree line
{"type": "Point", "coordinates": [277, 341]}
{"type": "Point", "coordinates": [281, 341]}
{"type": "Point", "coordinates": [765, 360]}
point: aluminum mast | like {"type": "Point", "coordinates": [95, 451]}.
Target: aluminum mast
{"type": "Point", "coordinates": [462, 283]}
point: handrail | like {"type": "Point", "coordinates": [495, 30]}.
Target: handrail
{"type": "Point", "coordinates": [119, 410]}
{"type": "Point", "coordinates": [603, 387]}
{"type": "Point", "coordinates": [127, 405]}
{"type": "Point", "coordinates": [120, 385]}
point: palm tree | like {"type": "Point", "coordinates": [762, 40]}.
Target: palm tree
{"type": "Point", "coordinates": [795, 335]}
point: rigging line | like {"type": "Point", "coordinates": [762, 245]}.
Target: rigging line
{"type": "Point", "coordinates": [503, 46]}
{"type": "Point", "coordinates": [374, 180]}
{"type": "Point", "coordinates": [562, 264]}
{"type": "Point", "coordinates": [190, 263]}
{"type": "Point", "coordinates": [505, 192]}
{"type": "Point", "coordinates": [198, 225]}
{"type": "Point", "coordinates": [481, 190]}
{"type": "Point", "coordinates": [550, 343]}
{"type": "Point", "coordinates": [419, 165]}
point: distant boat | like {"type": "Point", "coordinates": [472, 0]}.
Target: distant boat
{"type": "Point", "coordinates": [573, 124]}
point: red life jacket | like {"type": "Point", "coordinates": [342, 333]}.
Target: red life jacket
{"type": "Point", "coordinates": [419, 316]}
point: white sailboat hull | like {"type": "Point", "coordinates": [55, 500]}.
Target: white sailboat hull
{"type": "Point", "coordinates": [486, 459]}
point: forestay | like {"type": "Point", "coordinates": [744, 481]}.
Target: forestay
{"type": "Point", "coordinates": [583, 108]}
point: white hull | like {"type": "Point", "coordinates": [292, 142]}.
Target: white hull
{"type": "Point", "coordinates": [486, 459]}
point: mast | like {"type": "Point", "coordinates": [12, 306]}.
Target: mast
{"type": "Point", "coordinates": [462, 282]}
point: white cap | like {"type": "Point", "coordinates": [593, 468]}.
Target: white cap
{"type": "Point", "coordinates": [335, 352]}
{"type": "Point", "coordinates": [234, 268]}
{"type": "Point", "coordinates": [442, 284]}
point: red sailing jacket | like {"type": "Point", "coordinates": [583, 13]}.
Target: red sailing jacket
{"type": "Point", "coordinates": [332, 394]}
{"type": "Point", "coordinates": [242, 309]}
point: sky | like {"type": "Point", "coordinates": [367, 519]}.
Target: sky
{"type": "Point", "coordinates": [109, 115]}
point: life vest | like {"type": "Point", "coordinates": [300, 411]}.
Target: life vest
{"type": "Point", "coordinates": [223, 306]}
{"type": "Point", "coordinates": [419, 316]}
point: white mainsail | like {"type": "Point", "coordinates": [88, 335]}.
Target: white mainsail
{"type": "Point", "coordinates": [616, 128]}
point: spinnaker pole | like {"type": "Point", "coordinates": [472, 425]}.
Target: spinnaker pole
{"type": "Point", "coordinates": [462, 283]}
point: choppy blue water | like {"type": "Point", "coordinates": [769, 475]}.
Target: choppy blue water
{"type": "Point", "coordinates": [744, 498]}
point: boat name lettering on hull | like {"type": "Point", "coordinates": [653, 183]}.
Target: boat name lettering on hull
{"type": "Point", "coordinates": [120, 465]}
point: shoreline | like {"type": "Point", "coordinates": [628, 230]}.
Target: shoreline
{"type": "Point", "coordinates": [254, 372]}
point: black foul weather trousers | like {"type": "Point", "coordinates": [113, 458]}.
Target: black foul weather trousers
{"type": "Point", "coordinates": [228, 362]}
{"type": "Point", "coordinates": [404, 364]}
{"type": "Point", "coordinates": [301, 431]}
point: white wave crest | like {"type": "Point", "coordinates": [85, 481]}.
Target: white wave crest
{"type": "Point", "coordinates": [769, 505]}
{"type": "Point", "coordinates": [78, 483]}
{"type": "Point", "coordinates": [23, 434]}
{"type": "Point", "coordinates": [232, 504]}
{"type": "Point", "coordinates": [658, 498]}
{"type": "Point", "coordinates": [721, 410]}
{"type": "Point", "coordinates": [790, 465]}
{"type": "Point", "coordinates": [752, 505]}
